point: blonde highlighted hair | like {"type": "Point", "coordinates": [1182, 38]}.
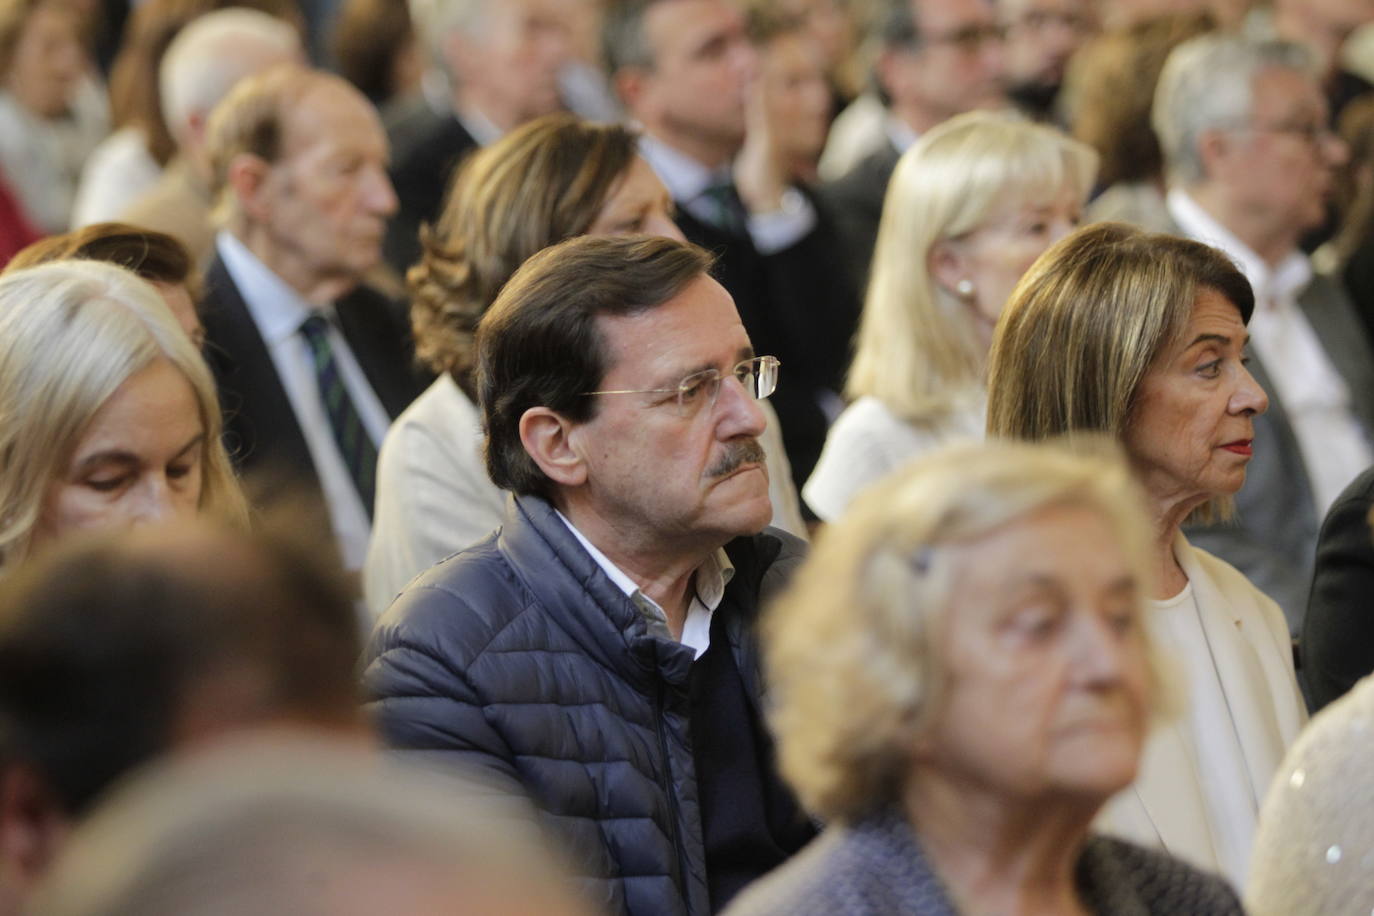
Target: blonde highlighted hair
{"type": "Point", "coordinates": [1086, 323]}
{"type": "Point", "coordinates": [71, 333]}
{"type": "Point", "coordinates": [851, 689]}
{"type": "Point", "coordinates": [917, 345]}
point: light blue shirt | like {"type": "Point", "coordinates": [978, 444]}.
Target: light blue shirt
{"type": "Point", "coordinates": [688, 181]}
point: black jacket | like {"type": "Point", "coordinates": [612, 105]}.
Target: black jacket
{"type": "Point", "coordinates": [520, 658]}
{"type": "Point", "coordinates": [260, 427]}
{"type": "Point", "coordinates": [426, 148]}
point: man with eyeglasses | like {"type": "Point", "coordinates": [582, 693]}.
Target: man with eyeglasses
{"type": "Point", "coordinates": [936, 59]}
{"type": "Point", "coordinates": [688, 75]}
{"type": "Point", "coordinates": [1249, 159]}
{"type": "Point", "coordinates": [1041, 36]}
{"type": "Point", "coordinates": [597, 655]}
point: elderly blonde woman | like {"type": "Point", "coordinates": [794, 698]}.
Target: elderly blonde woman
{"type": "Point", "coordinates": [987, 689]}
{"type": "Point", "coordinates": [555, 178]}
{"type": "Point", "coordinates": [969, 208]}
{"type": "Point", "coordinates": [1142, 337]}
{"type": "Point", "coordinates": [111, 415]}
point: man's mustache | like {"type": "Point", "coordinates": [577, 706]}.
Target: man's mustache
{"type": "Point", "coordinates": [747, 451]}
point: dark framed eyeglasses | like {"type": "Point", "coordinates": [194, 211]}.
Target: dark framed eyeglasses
{"type": "Point", "coordinates": [758, 376]}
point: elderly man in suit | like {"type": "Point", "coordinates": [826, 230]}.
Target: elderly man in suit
{"type": "Point", "coordinates": [1249, 158]}
{"type": "Point", "coordinates": [312, 365]}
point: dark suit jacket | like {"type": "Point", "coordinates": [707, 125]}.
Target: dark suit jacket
{"type": "Point", "coordinates": [1338, 632]}
{"type": "Point", "coordinates": [855, 205]}
{"type": "Point", "coordinates": [260, 428]}
{"type": "Point", "coordinates": [1273, 541]}
{"type": "Point", "coordinates": [426, 146]}
{"type": "Point", "coordinates": [796, 304]}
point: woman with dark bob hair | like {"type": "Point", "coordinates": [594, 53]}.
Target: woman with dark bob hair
{"type": "Point", "coordinates": [1142, 337]}
{"type": "Point", "coordinates": [986, 689]}
{"type": "Point", "coordinates": [550, 180]}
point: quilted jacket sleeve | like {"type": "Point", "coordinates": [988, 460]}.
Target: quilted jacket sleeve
{"type": "Point", "coordinates": [417, 688]}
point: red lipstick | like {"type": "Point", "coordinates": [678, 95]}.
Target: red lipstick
{"type": "Point", "coordinates": [1240, 447]}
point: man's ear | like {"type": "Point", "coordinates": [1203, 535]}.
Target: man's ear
{"type": "Point", "coordinates": [247, 179]}
{"type": "Point", "coordinates": [550, 440]}
{"type": "Point", "coordinates": [33, 826]}
{"type": "Point", "coordinates": [632, 84]}
{"type": "Point", "coordinates": [947, 266]}
{"type": "Point", "coordinates": [1214, 151]}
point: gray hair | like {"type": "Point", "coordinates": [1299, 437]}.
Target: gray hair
{"type": "Point", "coordinates": [214, 52]}
{"type": "Point", "coordinates": [435, 20]}
{"type": "Point", "coordinates": [1207, 83]}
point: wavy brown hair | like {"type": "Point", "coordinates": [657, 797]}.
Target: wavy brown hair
{"type": "Point", "coordinates": [538, 186]}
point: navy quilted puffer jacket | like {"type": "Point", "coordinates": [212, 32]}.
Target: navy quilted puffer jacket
{"type": "Point", "coordinates": [521, 658]}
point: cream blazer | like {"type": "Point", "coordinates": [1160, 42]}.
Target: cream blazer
{"type": "Point", "coordinates": [1248, 636]}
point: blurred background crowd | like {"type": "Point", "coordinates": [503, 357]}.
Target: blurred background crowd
{"type": "Point", "coordinates": [1050, 324]}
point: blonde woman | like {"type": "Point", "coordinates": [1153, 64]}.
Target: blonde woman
{"type": "Point", "coordinates": [110, 415]}
{"type": "Point", "coordinates": [986, 690]}
{"type": "Point", "coordinates": [969, 208]}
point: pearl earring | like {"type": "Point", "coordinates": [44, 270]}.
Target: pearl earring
{"type": "Point", "coordinates": [964, 288]}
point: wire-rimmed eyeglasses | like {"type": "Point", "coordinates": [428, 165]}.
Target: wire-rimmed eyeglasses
{"type": "Point", "coordinates": [758, 376]}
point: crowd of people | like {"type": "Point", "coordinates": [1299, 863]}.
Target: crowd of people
{"type": "Point", "coordinates": [663, 457]}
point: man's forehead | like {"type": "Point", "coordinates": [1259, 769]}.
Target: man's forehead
{"type": "Point", "coordinates": [699, 324]}
{"type": "Point", "coordinates": [326, 112]}
{"type": "Point", "coordinates": [944, 15]}
{"type": "Point", "coordinates": [1284, 90]}
{"type": "Point", "coordinates": [678, 27]}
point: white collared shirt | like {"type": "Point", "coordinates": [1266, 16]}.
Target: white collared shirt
{"type": "Point", "coordinates": [1334, 444]}
{"type": "Point", "coordinates": [688, 182]}
{"type": "Point", "coordinates": [278, 311]}
{"type": "Point", "coordinates": [900, 133]}
{"type": "Point", "coordinates": [708, 589]}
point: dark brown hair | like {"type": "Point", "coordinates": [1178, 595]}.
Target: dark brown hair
{"type": "Point", "coordinates": [104, 643]}
{"type": "Point", "coordinates": [539, 185]}
{"type": "Point", "coordinates": [366, 38]}
{"type": "Point", "coordinates": [154, 256]}
{"type": "Point", "coordinates": [539, 344]}
{"type": "Point", "coordinates": [1110, 89]}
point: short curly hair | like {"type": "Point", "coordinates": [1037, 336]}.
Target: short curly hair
{"type": "Point", "coordinates": [541, 184]}
{"type": "Point", "coordinates": [850, 690]}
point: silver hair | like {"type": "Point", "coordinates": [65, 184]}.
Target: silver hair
{"type": "Point", "coordinates": [435, 20]}
{"type": "Point", "coordinates": [211, 55]}
{"type": "Point", "coordinates": [1208, 83]}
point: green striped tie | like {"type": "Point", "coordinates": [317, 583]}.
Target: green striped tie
{"type": "Point", "coordinates": [355, 445]}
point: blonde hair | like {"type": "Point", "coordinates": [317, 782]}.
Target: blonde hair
{"type": "Point", "coordinates": [917, 345]}
{"type": "Point", "coordinates": [852, 650]}
{"type": "Point", "coordinates": [1086, 323]}
{"type": "Point", "coordinates": [72, 332]}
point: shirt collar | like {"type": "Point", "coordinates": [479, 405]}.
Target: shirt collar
{"type": "Point", "coordinates": [900, 133]}
{"type": "Point", "coordinates": [1281, 283]}
{"type": "Point", "coordinates": [277, 309]}
{"type": "Point", "coordinates": [685, 178]}
{"type": "Point", "coordinates": [709, 581]}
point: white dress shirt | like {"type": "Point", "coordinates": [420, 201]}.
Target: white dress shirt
{"type": "Point", "coordinates": [1334, 444]}
{"type": "Point", "coordinates": [708, 589]}
{"type": "Point", "coordinates": [688, 181]}
{"type": "Point", "coordinates": [278, 312]}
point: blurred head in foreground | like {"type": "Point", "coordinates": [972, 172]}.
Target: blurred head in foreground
{"type": "Point", "coordinates": [303, 827]}
{"type": "Point", "coordinates": [117, 649]}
